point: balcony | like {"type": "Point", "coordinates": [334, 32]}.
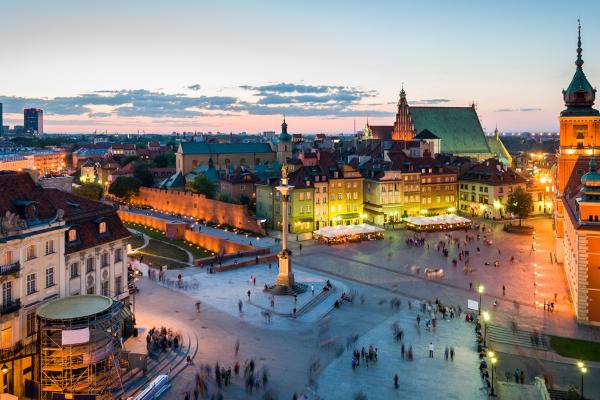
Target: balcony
{"type": "Point", "coordinates": [11, 268]}
{"type": "Point", "coordinates": [10, 307]}
{"type": "Point", "coordinates": [18, 350]}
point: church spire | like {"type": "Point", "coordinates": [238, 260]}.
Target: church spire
{"type": "Point", "coordinates": [579, 61]}
{"type": "Point", "coordinates": [580, 95]}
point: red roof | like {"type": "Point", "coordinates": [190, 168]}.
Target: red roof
{"type": "Point", "coordinates": [78, 211]}
{"type": "Point", "coordinates": [493, 172]}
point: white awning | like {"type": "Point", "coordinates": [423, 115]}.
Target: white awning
{"type": "Point", "coordinates": [445, 219]}
{"type": "Point", "coordinates": [347, 230]}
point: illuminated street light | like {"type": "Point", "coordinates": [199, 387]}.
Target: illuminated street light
{"type": "Point", "coordinates": [480, 289]}
{"type": "Point", "coordinates": [4, 369]}
{"type": "Point", "coordinates": [486, 319]}
{"type": "Point", "coordinates": [493, 360]}
{"type": "Point", "coordinates": [583, 370]}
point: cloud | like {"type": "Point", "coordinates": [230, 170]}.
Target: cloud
{"type": "Point", "coordinates": [99, 115]}
{"type": "Point", "coordinates": [272, 99]}
{"type": "Point", "coordinates": [524, 109]}
{"type": "Point", "coordinates": [429, 101]}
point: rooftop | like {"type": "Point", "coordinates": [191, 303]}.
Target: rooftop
{"type": "Point", "coordinates": [74, 307]}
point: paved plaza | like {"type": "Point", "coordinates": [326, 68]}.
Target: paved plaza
{"type": "Point", "coordinates": [375, 272]}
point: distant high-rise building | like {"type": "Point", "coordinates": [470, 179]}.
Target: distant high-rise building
{"type": "Point", "coordinates": [1, 126]}
{"type": "Point", "coordinates": [33, 119]}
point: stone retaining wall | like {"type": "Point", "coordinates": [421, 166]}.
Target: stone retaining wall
{"type": "Point", "coordinates": [199, 207]}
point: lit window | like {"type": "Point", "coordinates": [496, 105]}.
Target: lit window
{"type": "Point", "coordinates": [104, 259]}
{"type": "Point", "coordinates": [31, 252]}
{"type": "Point", "coordinates": [7, 258]}
{"type": "Point", "coordinates": [102, 227]}
{"type": "Point", "coordinates": [72, 235]}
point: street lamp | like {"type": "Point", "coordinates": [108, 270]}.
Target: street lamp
{"type": "Point", "coordinates": [486, 319]}
{"type": "Point", "coordinates": [4, 369]}
{"type": "Point", "coordinates": [583, 370]}
{"type": "Point", "coordinates": [297, 226]}
{"type": "Point", "coordinates": [493, 361]}
{"type": "Point", "coordinates": [480, 289]}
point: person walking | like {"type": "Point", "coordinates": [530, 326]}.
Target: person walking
{"type": "Point", "coordinates": [312, 289]}
{"type": "Point", "coordinates": [451, 353]}
{"type": "Point", "coordinates": [430, 349]}
{"type": "Point", "coordinates": [446, 353]}
{"type": "Point", "coordinates": [248, 293]}
{"type": "Point", "coordinates": [396, 380]}
{"type": "Point", "coordinates": [503, 290]}
{"type": "Point", "coordinates": [240, 306]}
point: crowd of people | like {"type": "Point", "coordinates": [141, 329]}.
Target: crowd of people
{"type": "Point", "coordinates": [162, 339]}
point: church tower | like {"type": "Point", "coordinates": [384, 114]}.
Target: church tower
{"type": "Point", "coordinates": [403, 126]}
{"type": "Point", "coordinates": [283, 144]}
{"type": "Point", "coordinates": [579, 138]}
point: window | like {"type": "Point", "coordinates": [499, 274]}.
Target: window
{"type": "Point", "coordinates": [118, 285]}
{"type": "Point", "coordinates": [7, 258]}
{"type": "Point", "coordinates": [31, 284]}
{"type": "Point", "coordinates": [6, 293]}
{"type": "Point", "coordinates": [308, 209]}
{"type": "Point", "coordinates": [31, 324]}
{"type": "Point", "coordinates": [104, 259]}
{"type": "Point", "coordinates": [308, 196]}
{"type": "Point", "coordinates": [339, 196]}
{"type": "Point", "coordinates": [105, 289]}
{"type": "Point", "coordinates": [102, 227]}
{"type": "Point", "coordinates": [348, 196]}
{"type": "Point", "coordinates": [89, 264]}
{"type": "Point", "coordinates": [118, 255]}
{"type": "Point", "coordinates": [332, 208]}
{"type": "Point", "coordinates": [74, 270]}
{"type": "Point", "coordinates": [31, 252]}
{"type": "Point", "coordinates": [72, 235]}
{"type": "Point", "coordinates": [301, 196]}
{"type": "Point", "coordinates": [91, 290]}
{"type": "Point", "coordinates": [355, 195]}
{"type": "Point", "coordinates": [324, 189]}
{"type": "Point", "coordinates": [50, 247]}
{"type": "Point", "coordinates": [49, 277]}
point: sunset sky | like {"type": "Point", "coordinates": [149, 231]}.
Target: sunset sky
{"type": "Point", "coordinates": [160, 66]}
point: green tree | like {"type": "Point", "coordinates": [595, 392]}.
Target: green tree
{"type": "Point", "coordinates": [164, 161]}
{"type": "Point", "coordinates": [201, 184]}
{"type": "Point", "coordinates": [127, 159]}
{"type": "Point", "coordinates": [224, 197]}
{"type": "Point", "coordinates": [142, 172]}
{"type": "Point", "coordinates": [90, 190]}
{"type": "Point", "coordinates": [520, 203]}
{"type": "Point", "coordinates": [125, 187]}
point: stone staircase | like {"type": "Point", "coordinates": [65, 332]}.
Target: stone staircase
{"type": "Point", "coordinates": [162, 363]}
{"type": "Point", "coordinates": [557, 394]}
{"type": "Point", "coordinates": [501, 334]}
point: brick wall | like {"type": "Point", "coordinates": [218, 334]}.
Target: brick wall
{"type": "Point", "coordinates": [199, 207]}
{"type": "Point", "coordinates": [209, 242]}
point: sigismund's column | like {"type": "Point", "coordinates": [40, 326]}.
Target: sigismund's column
{"type": "Point", "coordinates": [285, 276]}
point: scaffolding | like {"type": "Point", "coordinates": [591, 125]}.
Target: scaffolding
{"type": "Point", "coordinates": [80, 346]}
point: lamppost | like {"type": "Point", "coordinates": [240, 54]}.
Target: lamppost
{"type": "Point", "coordinates": [583, 370]}
{"type": "Point", "coordinates": [297, 226]}
{"type": "Point", "coordinates": [480, 289]}
{"type": "Point", "coordinates": [486, 319]}
{"type": "Point", "coordinates": [493, 360]}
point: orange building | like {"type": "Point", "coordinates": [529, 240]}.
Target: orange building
{"type": "Point", "coordinates": [577, 196]}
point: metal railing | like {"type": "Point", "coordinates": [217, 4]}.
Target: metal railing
{"type": "Point", "coordinates": [10, 307]}
{"type": "Point", "coordinates": [18, 350]}
{"type": "Point", "coordinates": [10, 268]}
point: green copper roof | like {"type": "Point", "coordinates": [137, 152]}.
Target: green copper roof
{"type": "Point", "coordinates": [174, 181]}
{"type": "Point", "coordinates": [74, 307]}
{"type": "Point", "coordinates": [224, 148]}
{"type": "Point", "coordinates": [497, 148]}
{"type": "Point", "coordinates": [457, 127]}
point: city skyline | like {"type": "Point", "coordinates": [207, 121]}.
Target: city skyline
{"type": "Point", "coordinates": [171, 66]}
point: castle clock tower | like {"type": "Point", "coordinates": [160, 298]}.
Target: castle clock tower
{"type": "Point", "coordinates": [579, 140]}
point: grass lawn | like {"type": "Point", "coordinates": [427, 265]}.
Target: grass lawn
{"type": "Point", "coordinates": [157, 262]}
{"type": "Point", "coordinates": [163, 249]}
{"type": "Point", "coordinates": [135, 241]}
{"type": "Point", "coordinates": [197, 252]}
{"type": "Point", "coordinates": [574, 348]}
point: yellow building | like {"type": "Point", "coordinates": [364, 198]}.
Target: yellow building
{"type": "Point", "coordinates": [345, 196]}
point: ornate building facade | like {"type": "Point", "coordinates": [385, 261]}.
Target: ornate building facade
{"type": "Point", "coordinates": [577, 196]}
